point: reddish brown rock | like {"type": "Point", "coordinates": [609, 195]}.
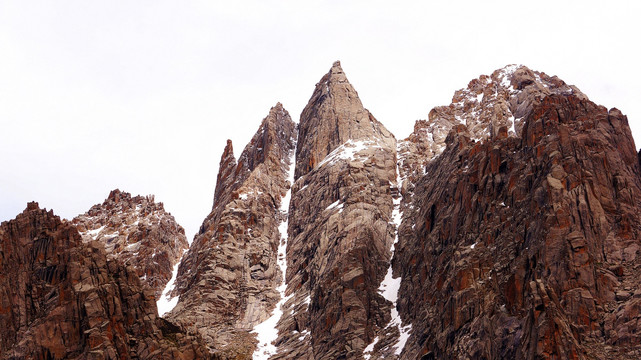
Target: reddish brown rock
{"type": "Point", "coordinates": [138, 232]}
{"type": "Point", "coordinates": [61, 298]}
{"type": "Point", "coordinates": [228, 278]}
{"type": "Point", "coordinates": [526, 247]}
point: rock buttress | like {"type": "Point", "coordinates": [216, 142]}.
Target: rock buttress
{"type": "Point", "coordinates": [228, 278]}
{"type": "Point", "coordinates": [61, 298]}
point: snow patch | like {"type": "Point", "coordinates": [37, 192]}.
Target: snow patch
{"type": "Point", "coordinates": [166, 303]}
{"type": "Point", "coordinates": [367, 353]}
{"type": "Point", "coordinates": [303, 335]}
{"type": "Point", "coordinates": [133, 247]}
{"type": "Point", "coordinates": [335, 205]}
{"type": "Point", "coordinates": [506, 75]}
{"type": "Point", "coordinates": [245, 196]}
{"type": "Point", "coordinates": [348, 151]}
{"type": "Point", "coordinates": [94, 233]}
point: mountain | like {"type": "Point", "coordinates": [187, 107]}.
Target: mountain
{"type": "Point", "coordinates": [506, 225]}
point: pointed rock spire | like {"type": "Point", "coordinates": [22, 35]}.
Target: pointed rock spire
{"type": "Point", "coordinates": [333, 115]}
{"type": "Point", "coordinates": [225, 171]}
{"type": "Point", "coordinates": [270, 143]}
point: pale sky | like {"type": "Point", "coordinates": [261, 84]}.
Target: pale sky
{"type": "Point", "coordinates": [142, 95]}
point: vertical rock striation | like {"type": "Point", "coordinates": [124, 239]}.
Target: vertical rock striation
{"type": "Point", "coordinates": [227, 281]}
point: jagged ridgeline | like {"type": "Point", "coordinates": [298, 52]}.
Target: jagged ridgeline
{"type": "Point", "coordinates": [505, 226]}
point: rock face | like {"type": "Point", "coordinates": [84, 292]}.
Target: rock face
{"type": "Point", "coordinates": [339, 226]}
{"type": "Point", "coordinates": [227, 281]}
{"type": "Point", "coordinates": [524, 244]}
{"type": "Point", "coordinates": [138, 232]}
{"type": "Point", "coordinates": [61, 298]}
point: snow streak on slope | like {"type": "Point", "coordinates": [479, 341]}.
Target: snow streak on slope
{"type": "Point", "coordinates": [166, 303]}
{"type": "Point", "coordinates": [349, 151]}
{"type": "Point", "coordinates": [266, 331]}
{"type": "Point", "coordinates": [390, 285]}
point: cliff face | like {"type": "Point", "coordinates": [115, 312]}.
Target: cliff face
{"type": "Point", "coordinates": [526, 245]}
{"type": "Point", "coordinates": [138, 232]}
{"type": "Point", "coordinates": [63, 299]}
{"type": "Point", "coordinates": [228, 279]}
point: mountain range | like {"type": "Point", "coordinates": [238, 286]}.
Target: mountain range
{"type": "Point", "coordinates": [505, 226]}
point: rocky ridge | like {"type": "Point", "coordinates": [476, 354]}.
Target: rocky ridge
{"type": "Point", "coordinates": [516, 242]}
{"type": "Point", "coordinates": [227, 281]}
{"type": "Point", "coordinates": [138, 232]}
{"type": "Point", "coordinates": [62, 298]}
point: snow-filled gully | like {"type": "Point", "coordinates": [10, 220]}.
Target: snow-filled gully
{"type": "Point", "coordinates": [266, 331]}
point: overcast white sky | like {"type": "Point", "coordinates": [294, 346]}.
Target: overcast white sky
{"type": "Point", "coordinates": [141, 95]}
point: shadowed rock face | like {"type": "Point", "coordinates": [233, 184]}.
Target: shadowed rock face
{"type": "Point", "coordinates": [138, 232]}
{"type": "Point", "coordinates": [527, 247]}
{"type": "Point", "coordinates": [63, 299]}
{"type": "Point", "coordinates": [228, 278]}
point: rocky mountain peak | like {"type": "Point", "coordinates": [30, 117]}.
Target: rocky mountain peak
{"type": "Point", "coordinates": [114, 195]}
{"type": "Point", "coordinates": [511, 228]}
{"type": "Point", "coordinates": [32, 205]}
{"type": "Point", "coordinates": [506, 225]}
{"type": "Point", "coordinates": [226, 170]}
{"type": "Point", "coordinates": [267, 145]}
{"type": "Point", "coordinates": [333, 116]}
{"type": "Point", "coordinates": [137, 231]}
{"type": "Point", "coordinates": [227, 280]}
{"type": "Point", "coordinates": [63, 298]}
{"type": "Point", "coordinates": [502, 99]}
{"type": "Point", "coordinates": [491, 106]}
{"type": "Point", "coordinates": [334, 76]}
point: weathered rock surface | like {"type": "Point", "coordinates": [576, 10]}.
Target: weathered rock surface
{"type": "Point", "coordinates": [228, 278]}
{"type": "Point", "coordinates": [138, 232]}
{"type": "Point", "coordinates": [525, 246]}
{"type": "Point", "coordinates": [503, 99]}
{"type": "Point", "coordinates": [61, 298]}
{"type": "Point", "coordinates": [339, 227]}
